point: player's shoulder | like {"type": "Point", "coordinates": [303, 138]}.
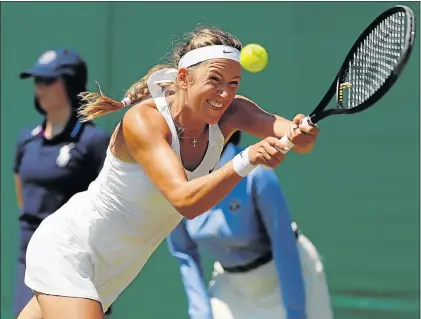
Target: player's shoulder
{"type": "Point", "coordinates": [235, 105]}
{"type": "Point", "coordinates": [235, 113]}
{"type": "Point", "coordinates": [144, 107]}
{"type": "Point", "coordinates": [145, 115]}
{"type": "Point", "coordinates": [227, 122]}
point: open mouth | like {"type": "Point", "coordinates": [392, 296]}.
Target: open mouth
{"type": "Point", "coordinates": [215, 105]}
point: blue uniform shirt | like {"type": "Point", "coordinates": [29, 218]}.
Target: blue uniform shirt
{"type": "Point", "coordinates": [52, 171]}
{"type": "Point", "coordinates": [248, 223]}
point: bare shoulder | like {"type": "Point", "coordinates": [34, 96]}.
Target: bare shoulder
{"type": "Point", "coordinates": [235, 106]}
{"type": "Point", "coordinates": [235, 114]}
{"type": "Point", "coordinates": [141, 128]}
{"type": "Point", "coordinates": [144, 120]}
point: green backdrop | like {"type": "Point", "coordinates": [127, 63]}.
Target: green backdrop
{"type": "Point", "coordinates": [356, 196]}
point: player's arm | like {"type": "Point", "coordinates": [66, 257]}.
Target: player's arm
{"type": "Point", "coordinates": [145, 134]}
{"type": "Point", "coordinates": [245, 115]}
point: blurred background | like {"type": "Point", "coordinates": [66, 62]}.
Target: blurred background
{"type": "Point", "coordinates": [356, 196]}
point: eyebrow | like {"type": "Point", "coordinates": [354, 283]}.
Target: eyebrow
{"type": "Point", "coordinates": [219, 73]}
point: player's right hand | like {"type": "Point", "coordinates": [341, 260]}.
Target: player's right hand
{"type": "Point", "coordinates": [267, 153]}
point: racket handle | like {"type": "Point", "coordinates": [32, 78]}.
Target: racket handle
{"type": "Point", "coordinates": [288, 144]}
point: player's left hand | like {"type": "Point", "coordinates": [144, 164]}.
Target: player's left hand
{"type": "Point", "coordinates": [303, 135]}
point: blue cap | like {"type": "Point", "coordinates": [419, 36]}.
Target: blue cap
{"type": "Point", "coordinates": [54, 63]}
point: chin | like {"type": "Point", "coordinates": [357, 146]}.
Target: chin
{"type": "Point", "coordinates": [212, 119]}
{"type": "Point", "coordinates": [47, 105]}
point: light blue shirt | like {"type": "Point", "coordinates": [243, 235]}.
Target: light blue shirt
{"type": "Point", "coordinates": [248, 223]}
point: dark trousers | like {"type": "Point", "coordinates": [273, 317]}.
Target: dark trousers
{"type": "Point", "coordinates": [22, 293]}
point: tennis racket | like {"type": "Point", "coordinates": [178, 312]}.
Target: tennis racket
{"type": "Point", "coordinates": [371, 67]}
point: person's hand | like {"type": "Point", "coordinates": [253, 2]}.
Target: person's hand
{"type": "Point", "coordinates": [267, 152]}
{"type": "Point", "coordinates": [302, 135]}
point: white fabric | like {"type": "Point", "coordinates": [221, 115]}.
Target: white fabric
{"type": "Point", "coordinates": [256, 294]}
{"type": "Point", "coordinates": [126, 101]}
{"type": "Point", "coordinates": [98, 242]}
{"type": "Point", "coordinates": [169, 75]}
{"type": "Point", "coordinates": [213, 152]}
{"type": "Point", "coordinates": [159, 77]}
{"type": "Point", "coordinates": [207, 53]}
{"type": "Point", "coordinates": [241, 163]}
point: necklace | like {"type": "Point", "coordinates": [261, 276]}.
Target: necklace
{"type": "Point", "coordinates": [180, 130]}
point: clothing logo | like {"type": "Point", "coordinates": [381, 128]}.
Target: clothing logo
{"type": "Point", "coordinates": [64, 156]}
{"type": "Point", "coordinates": [47, 57]}
{"type": "Point", "coordinates": [211, 170]}
{"type": "Point", "coordinates": [226, 52]}
{"type": "Point", "coordinates": [234, 205]}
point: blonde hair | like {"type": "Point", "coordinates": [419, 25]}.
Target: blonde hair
{"type": "Point", "coordinates": [97, 104]}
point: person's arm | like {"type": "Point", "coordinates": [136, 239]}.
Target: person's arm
{"type": "Point", "coordinates": [16, 167]}
{"type": "Point", "coordinates": [245, 115]}
{"type": "Point", "coordinates": [18, 188]}
{"type": "Point", "coordinates": [184, 249]}
{"type": "Point", "coordinates": [271, 204]}
{"type": "Point", "coordinates": [145, 135]}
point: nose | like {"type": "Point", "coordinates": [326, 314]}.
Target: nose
{"type": "Point", "coordinates": [223, 92]}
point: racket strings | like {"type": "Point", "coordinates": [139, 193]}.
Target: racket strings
{"type": "Point", "coordinates": [375, 60]}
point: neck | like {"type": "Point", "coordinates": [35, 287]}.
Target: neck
{"type": "Point", "coordinates": [56, 120]}
{"type": "Point", "coordinates": [184, 116]}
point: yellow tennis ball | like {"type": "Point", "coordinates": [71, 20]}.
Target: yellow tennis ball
{"type": "Point", "coordinates": [253, 58]}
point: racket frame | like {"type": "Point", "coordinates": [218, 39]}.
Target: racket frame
{"type": "Point", "coordinates": [319, 112]}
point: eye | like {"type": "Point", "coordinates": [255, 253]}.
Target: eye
{"type": "Point", "coordinates": [214, 78]}
{"type": "Point", "coordinates": [234, 82]}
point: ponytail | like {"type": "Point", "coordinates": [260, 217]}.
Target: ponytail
{"type": "Point", "coordinates": [97, 104]}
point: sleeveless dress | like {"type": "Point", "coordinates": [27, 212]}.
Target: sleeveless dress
{"type": "Point", "coordinates": [98, 242]}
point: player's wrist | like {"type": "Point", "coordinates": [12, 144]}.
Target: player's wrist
{"type": "Point", "coordinates": [241, 163]}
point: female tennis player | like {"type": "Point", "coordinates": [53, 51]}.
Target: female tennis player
{"type": "Point", "coordinates": [264, 267]}
{"type": "Point", "coordinates": [158, 169]}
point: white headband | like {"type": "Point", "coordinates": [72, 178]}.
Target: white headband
{"type": "Point", "coordinates": [169, 75]}
{"type": "Point", "coordinates": [210, 52]}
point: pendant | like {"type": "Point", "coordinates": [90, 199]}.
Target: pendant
{"type": "Point", "coordinates": [194, 142]}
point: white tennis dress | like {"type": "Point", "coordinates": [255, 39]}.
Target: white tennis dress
{"type": "Point", "coordinates": [98, 242]}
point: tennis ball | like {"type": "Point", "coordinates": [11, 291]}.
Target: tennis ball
{"type": "Point", "coordinates": [253, 58]}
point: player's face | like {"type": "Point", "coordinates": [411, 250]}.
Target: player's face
{"type": "Point", "coordinates": [51, 93]}
{"type": "Point", "coordinates": [213, 88]}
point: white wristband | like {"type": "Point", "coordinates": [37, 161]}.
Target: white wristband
{"type": "Point", "coordinates": [241, 163]}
